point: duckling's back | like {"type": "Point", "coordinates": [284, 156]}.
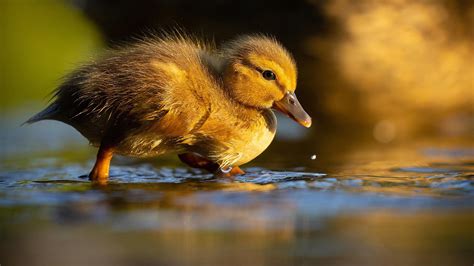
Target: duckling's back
{"type": "Point", "coordinates": [133, 95]}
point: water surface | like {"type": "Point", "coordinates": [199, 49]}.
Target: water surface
{"type": "Point", "coordinates": [409, 204]}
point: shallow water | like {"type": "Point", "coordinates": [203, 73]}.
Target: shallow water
{"type": "Point", "coordinates": [408, 204]}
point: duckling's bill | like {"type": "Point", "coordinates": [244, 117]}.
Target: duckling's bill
{"type": "Point", "coordinates": [290, 106]}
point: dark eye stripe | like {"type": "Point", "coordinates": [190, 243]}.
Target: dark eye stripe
{"type": "Point", "coordinates": [247, 63]}
{"type": "Point", "coordinates": [280, 86]}
{"type": "Point", "coordinates": [277, 81]}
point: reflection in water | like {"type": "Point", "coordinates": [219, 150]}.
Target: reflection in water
{"type": "Point", "coordinates": [383, 204]}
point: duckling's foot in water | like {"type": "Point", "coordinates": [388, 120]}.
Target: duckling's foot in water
{"type": "Point", "coordinates": [196, 161]}
{"type": "Point", "coordinates": [100, 172]}
{"type": "Point", "coordinates": [236, 171]}
{"type": "Point", "coordinates": [229, 172]}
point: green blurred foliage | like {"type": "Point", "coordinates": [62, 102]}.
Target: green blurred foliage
{"type": "Point", "coordinates": [40, 42]}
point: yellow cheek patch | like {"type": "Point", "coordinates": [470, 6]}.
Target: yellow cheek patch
{"type": "Point", "coordinates": [285, 76]}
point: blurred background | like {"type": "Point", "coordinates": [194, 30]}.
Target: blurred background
{"type": "Point", "coordinates": [384, 71]}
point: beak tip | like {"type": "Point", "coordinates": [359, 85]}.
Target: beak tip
{"type": "Point", "coordinates": [307, 123]}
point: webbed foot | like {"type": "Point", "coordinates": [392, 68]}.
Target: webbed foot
{"type": "Point", "coordinates": [196, 161]}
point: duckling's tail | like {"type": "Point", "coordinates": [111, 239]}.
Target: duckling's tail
{"type": "Point", "coordinates": [48, 113]}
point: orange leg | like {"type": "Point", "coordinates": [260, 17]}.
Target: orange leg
{"type": "Point", "coordinates": [100, 172]}
{"type": "Point", "coordinates": [236, 171]}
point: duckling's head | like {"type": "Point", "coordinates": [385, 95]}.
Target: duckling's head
{"type": "Point", "coordinates": [260, 73]}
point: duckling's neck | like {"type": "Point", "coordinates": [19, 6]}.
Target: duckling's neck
{"type": "Point", "coordinates": [216, 64]}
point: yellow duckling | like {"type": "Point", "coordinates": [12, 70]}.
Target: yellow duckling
{"type": "Point", "coordinates": [177, 94]}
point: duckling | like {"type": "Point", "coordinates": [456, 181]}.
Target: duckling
{"type": "Point", "coordinates": [212, 106]}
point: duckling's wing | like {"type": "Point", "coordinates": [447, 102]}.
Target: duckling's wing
{"type": "Point", "coordinates": [178, 120]}
{"type": "Point", "coordinates": [107, 98]}
{"type": "Point", "coordinates": [187, 92]}
{"type": "Point", "coordinates": [159, 88]}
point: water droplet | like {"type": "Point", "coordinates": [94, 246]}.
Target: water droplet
{"type": "Point", "coordinates": [225, 171]}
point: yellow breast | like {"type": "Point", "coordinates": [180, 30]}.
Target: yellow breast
{"type": "Point", "coordinates": [258, 139]}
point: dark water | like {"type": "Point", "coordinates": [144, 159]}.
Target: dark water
{"type": "Point", "coordinates": [371, 205]}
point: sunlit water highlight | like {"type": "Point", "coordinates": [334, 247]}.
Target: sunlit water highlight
{"type": "Point", "coordinates": [409, 203]}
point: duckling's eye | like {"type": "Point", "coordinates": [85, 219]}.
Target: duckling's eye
{"type": "Point", "coordinates": [268, 75]}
